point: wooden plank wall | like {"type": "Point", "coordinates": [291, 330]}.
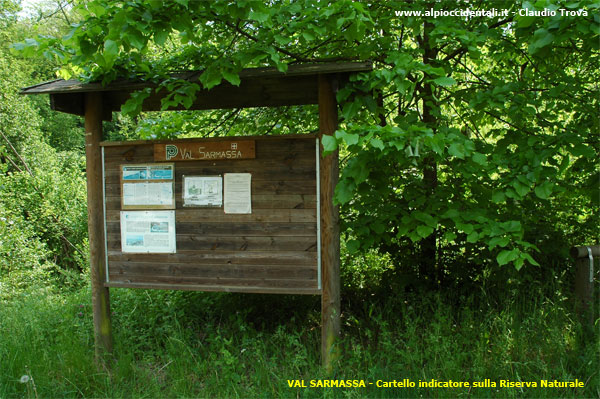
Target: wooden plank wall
{"type": "Point", "coordinates": [272, 250]}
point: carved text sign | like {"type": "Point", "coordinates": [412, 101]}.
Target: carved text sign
{"type": "Point", "coordinates": [205, 150]}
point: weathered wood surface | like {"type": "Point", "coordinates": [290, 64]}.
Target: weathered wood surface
{"type": "Point", "coordinates": [582, 252]}
{"type": "Point", "coordinates": [194, 272]}
{"type": "Point", "coordinates": [273, 249]}
{"type": "Point", "coordinates": [187, 242]}
{"type": "Point", "coordinates": [264, 187]}
{"type": "Point", "coordinates": [330, 233]}
{"type": "Point", "coordinates": [100, 294]}
{"type": "Point", "coordinates": [218, 287]}
{"type": "Point", "coordinates": [273, 201]}
{"type": "Point", "coordinates": [215, 215]}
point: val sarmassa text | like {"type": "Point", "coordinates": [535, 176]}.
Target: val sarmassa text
{"type": "Point", "coordinates": [407, 383]}
{"type": "Point", "coordinates": [172, 151]}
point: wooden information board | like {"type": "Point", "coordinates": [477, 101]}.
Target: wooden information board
{"type": "Point", "coordinates": [272, 249]}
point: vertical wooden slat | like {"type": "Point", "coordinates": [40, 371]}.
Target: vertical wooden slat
{"type": "Point", "coordinates": [330, 234]}
{"type": "Point", "coordinates": [100, 295]}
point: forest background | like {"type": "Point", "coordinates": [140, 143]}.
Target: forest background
{"type": "Point", "coordinates": [469, 168]}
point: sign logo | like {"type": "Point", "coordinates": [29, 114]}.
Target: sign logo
{"type": "Point", "coordinates": [171, 151]}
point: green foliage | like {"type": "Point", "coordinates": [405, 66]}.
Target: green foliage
{"type": "Point", "coordinates": [465, 127]}
{"type": "Point", "coordinates": [43, 229]}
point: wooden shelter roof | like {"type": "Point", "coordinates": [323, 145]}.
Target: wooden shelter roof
{"type": "Point", "coordinates": [259, 87]}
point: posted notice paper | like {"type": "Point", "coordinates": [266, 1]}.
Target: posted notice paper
{"type": "Point", "coordinates": [202, 191]}
{"type": "Point", "coordinates": [237, 193]}
{"type": "Point", "coordinates": [148, 232]}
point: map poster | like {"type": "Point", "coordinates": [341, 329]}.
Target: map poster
{"type": "Point", "coordinates": [147, 186]}
{"type": "Point", "coordinates": [148, 172]}
{"type": "Point", "coordinates": [203, 191]}
{"type": "Point", "coordinates": [148, 232]}
{"type": "Point", "coordinates": [237, 193]}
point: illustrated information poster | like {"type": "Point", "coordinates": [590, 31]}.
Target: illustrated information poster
{"type": "Point", "coordinates": [237, 193]}
{"type": "Point", "coordinates": [148, 231]}
{"type": "Point", "coordinates": [148, 186]}
{"type": "Point", "coordinates": [203, 191]}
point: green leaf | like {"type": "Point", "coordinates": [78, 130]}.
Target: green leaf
{"type": "Point", "coordinates": [377, 143]}
{"type": "Point", "coordinates": [308, 36]}
{"type": "Point", "coordinates": [344, 192]}
{"type": "Point", "coordinates": [498, 197]}
{"type": "Point", "coordinates": [133, 106]}
{"type": "Point", "coordinates": [329, 144]}
{"type": "Point", "coordinates": [348, 138]}
{"type": "Point", "coordinates": [161, 36]}
{"type": "Point", "coordinates": [544, 190]}
{"type": "Point", "coordinates": [424, 231]}
{"type": "Point", "coordinates": [449, 236]}
{"type": "Point", "coordinates": [451, 213]}
{"type": "Point", "coordinates": [541, 38]}
{"type": "Point", "coordinates": [259, 15]}
{"type": "Point", "coordinates": [457, 150]}
{"type": "Point", "coordinates": [211, 77]}
{"type": "Point", "coordinates": [583, 150]}
{"type": "Point", "coordinates": [111, 49]}
{"type": "Point", "coordinates": [473, 237]}
{"type": "Point", "coordinates": [425, 218]}
{"type": "Point", "coordinates": [520, 188]}
{"type": "Point", "coordinates": [357, 170]}
{"type": "Point", "coordinates": [479, 159]}
{"type": "Point", "coordinates": [498, 241]}
{"type": "Point", "coordinates": [436, 144]}
{"type": "Point", "coordinates": [529, 259]}
{"type": "Point", "coordinates": [512, 226]}
{"type": "Point", "coordinates": [350, 109]}
{"type": "Point", "coordinates": [466, 227]}
{"type": "Point", "coordinates": [377, 227]}
{"type": "Point", "coordinates": [353, 246]}
{"type": "Point", "coordinates": [444, 81]}
{"type": "Point", "coordinates": [135, 38]}
{"type": "Point", "coordinates": [507, 256]}
{"type": "Point", "coordinates": [231, 77]}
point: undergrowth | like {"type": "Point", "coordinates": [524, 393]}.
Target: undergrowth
{"type": "Point", "coordinates": [186, 344]}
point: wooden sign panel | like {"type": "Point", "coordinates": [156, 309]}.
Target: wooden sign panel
{"type": "Point", "coordinates": [272, 249]}
{"type": "Point", "coordinates": [205, 150]}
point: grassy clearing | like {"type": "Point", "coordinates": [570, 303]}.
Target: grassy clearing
{"type": "Point", "coordinates": [181, 344]}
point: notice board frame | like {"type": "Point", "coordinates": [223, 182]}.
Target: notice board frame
{"type": "Point", "coordinates": [301, 84]}
{"type": "Point", "coordinates": [128, 151]}
{"type": "Point", "coordinates": [124, 181]}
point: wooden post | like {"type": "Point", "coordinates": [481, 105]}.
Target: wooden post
{"type": "Point", "coordinates": [330, 231]}
{"type": "Point", "coordinates": [586, 258]}
{"type": "Point", "coordinates": [100, 298]}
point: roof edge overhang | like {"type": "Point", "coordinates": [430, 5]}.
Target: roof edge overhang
{"type": "Point", "coordinates": [60, 86]}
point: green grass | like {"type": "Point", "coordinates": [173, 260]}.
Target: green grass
{"type": "Point", "coordinates": [182, 344]}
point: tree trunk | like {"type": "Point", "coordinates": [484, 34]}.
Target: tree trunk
{"type": "Point", "coordinates": [428, 253]}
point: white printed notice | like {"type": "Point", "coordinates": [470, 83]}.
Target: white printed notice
{"type": "Point", "coordinates": [237, 193]}
{"type": "Point", "coordinates": [203, 191]}
{"type": "Point", "coordinates": [148, 232]}
{"type": "Point", "coordinates": [148, 194]}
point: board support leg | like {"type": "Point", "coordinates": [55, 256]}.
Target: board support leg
{"type": "Point", "coordinates": [330, 232]}
{"type": "Point", "coordinates": [100, 295]}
